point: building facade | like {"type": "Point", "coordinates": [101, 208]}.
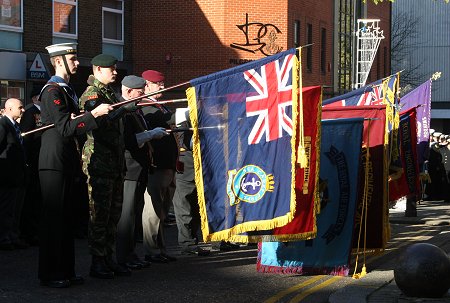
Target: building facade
{"type": "Point", "coordinates": [426, 50]}
{"type": "Point", "coordinates": [189, 39]}
{"type": "Point", "coordinates": [27, 27]}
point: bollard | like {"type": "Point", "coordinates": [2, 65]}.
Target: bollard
{"type": "Point", "coordinates": [423, 271]}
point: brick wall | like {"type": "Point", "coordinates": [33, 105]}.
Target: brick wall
{"type": "Point", "coordinates": [198, 35]}
{"type": "Point", "coordinates": [37, 25]}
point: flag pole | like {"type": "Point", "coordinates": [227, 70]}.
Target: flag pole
{"type": "Point", "coordinates": [113, 105]}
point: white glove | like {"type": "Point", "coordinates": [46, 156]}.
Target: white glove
{"type": "Point", "coordinates": [156, 133]}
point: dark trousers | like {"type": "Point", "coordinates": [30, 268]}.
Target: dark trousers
{"type": "Point", "coordinates": [7, 207]}
{"type": "Point", "coordinates": [31, 212]}
{"type": "Point", "coordinates": [56, 244]}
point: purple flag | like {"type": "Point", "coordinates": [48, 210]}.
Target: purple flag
{"type": "Point", "coordinates": [420, 97]}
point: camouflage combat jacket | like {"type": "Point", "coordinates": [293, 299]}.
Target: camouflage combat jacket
{"type": "Point", "coordinates": [103, 152]}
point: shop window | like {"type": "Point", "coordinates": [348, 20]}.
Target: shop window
{"type": "Point", "coordinates": [12, 89]}
{"type": "Point", "coordinates": [11, 24]}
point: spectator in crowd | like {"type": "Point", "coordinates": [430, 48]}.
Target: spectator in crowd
{"type": "Point", "coordinates": [31, 120]}
{"type": "Point", "coordinates": [12, 178]}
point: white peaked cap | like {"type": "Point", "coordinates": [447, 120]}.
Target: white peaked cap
{"type": "Point", "coordinates": [62, 49]}
{"type": "Point", "coordinates": [431, 131]}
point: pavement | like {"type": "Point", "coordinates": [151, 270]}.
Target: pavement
{"type": "Point", "coordinates": [379, 286]}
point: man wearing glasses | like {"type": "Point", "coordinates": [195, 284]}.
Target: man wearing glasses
{"type": "Point", "coordinates": [138, 157]}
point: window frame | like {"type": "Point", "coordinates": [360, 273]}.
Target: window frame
{"type": "Point", "coordinates": [116, 11]}
{"type": "Point", "coordinates": [18, 29]}
{"type": "Point", "coordinates": [65, 35]}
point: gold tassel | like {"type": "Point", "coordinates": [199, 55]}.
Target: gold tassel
{"type": "Point", "coordinates": [302, 159]}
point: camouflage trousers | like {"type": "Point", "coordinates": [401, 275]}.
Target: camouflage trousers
{"type": "Point", "coordinates": [105, 203]}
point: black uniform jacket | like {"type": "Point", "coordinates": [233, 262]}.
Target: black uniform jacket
{"type": "Point", "coordinates": [12, 156]}
{"type": "Point", "coordinates": [165, 150]}
{"type": "Point", "coordinates": [31, 119]}
{"type": "Point", "coordinates": [59, 150]}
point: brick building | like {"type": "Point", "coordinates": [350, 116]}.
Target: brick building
{"type": "Point", "coordinates": [27, 27]}
{"type": "Point", "coordinates": [184, 39]}
{"type": "Point", "coordinates": [189, 39]}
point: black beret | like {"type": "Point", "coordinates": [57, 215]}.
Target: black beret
{"type": "Point", "coordinates": [133, 82]}
{"type": "Point", "coordinates": [104, 60]}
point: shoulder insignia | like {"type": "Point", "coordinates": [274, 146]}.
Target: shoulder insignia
{"type": "Point", "coordinates": [81, 125]}
{"type": "Point", "coordinates": [92, 97]}
{"type": "Point", "coordinates": [57, 101]}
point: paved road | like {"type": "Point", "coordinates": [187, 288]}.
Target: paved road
{"type": "Point", "coordinates": [220, 277]}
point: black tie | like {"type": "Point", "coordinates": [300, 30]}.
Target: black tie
{"type": "Point", "coordinates": [16, 126]}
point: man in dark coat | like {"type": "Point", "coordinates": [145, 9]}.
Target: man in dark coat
{"type": "Point", "coordinates": [138, 158]}
{"type": "Point", "coordinates": [12, 178]}
{"type": "Point", "coordinates": [59, 164]}
{"type": "Point", "coordinates": [31, 120]}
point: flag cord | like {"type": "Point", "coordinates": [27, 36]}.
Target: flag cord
{"type": "Point", "coordinates": [364, 212]}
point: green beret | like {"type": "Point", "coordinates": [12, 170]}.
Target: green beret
{"type": "Point", "coordinates": [104, 60]}
{"type": "Point", "coordinates": [133, 82]}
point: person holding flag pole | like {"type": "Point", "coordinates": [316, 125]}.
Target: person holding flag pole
{"type": "Point", "coordinates": [59, 164]}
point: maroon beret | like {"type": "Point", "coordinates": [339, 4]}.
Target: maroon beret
{"type": "Point", "coordinates": [153, 76]}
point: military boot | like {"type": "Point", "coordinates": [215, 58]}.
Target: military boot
{"type": "Point", "coordinates": [99, 269]}
{"type": "Point", "coordinates": [118, 270]}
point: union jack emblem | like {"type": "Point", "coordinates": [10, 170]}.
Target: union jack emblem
{"type": "Point", "coordinates": [273, 96]}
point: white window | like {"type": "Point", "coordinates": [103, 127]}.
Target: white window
{"type": "Point", "coordinates": [65, 18]}
{"type": "Point", "coordinates": [112, 12]}
{"type": "Point", "coordinates": [11, 15]}
{"type": "Point", "coordinates": [11, 24]}
{"type": "Point", "coordinates": [113, 21]}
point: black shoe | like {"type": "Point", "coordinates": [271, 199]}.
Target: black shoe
{"type": "Point", "coordinates": [33, 241]}
{"type": "Point", "coordinates": [56, 283]}
{"type": "Point", "coordinates": [168, 257]}
{"type": "Point", "coordinates": [20, 244]}
{"type": "Point", "coordinates": [156, 259]}
{"type": "Point", "coordinates": [76, 280]}
{"type": "Point", "coordinates": [6, 246]}
{"type": "Point", "coordinates": [131, 265]}
{"type": "Point", "coordinates": [195, 250]}
{"type": "Point", "coordinates": [144, 264]}
{"type": "Point", "coordinates": [99, 269]}
{"type": "Point", "coordinates": [228, 246]}
{"type": "Point", "coordinates": [118, 270]}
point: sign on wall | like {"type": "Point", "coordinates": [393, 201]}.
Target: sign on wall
{"type": "Point", "coordinates": [37, 69]}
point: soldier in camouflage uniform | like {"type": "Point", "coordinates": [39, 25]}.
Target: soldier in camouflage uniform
{"type": "Point", "coordinates": [104, 165]}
